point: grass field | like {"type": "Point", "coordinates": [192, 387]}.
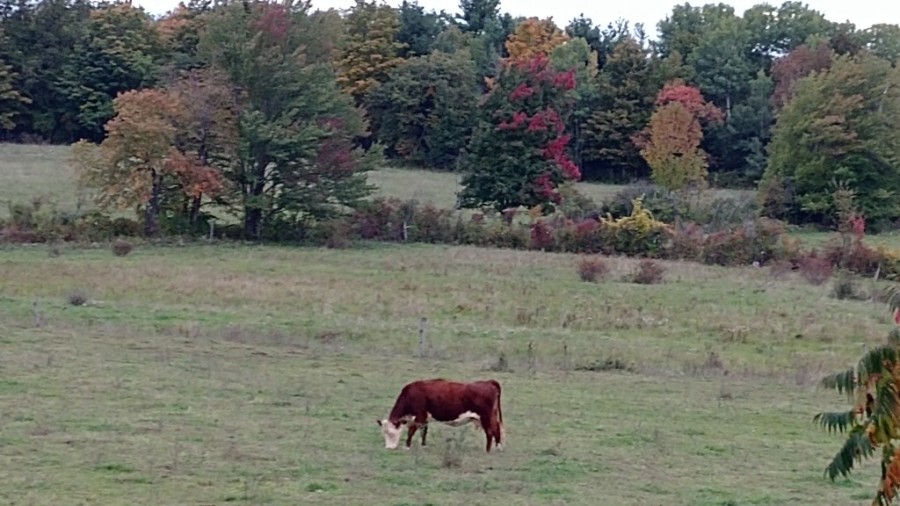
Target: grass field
{"type": "Point", "coordinates": [254, 375]}
{"type": "Point", "coordinates": [226, 374]}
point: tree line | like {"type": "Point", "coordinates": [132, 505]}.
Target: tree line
{"type": "Point", "coordinates": [274, 111]}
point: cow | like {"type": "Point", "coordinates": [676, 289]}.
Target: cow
{"type": "Point", "coordinates": [450, 402]}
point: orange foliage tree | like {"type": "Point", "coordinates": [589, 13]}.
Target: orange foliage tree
{"type": "Point", "coordinates": [534, 37]}
{"type": "Point", "coordinates": [158, 152]}
{"type": "Point", "coordinates": [873, 421]}
{"type": "Point", "coordinates": [671, 142]}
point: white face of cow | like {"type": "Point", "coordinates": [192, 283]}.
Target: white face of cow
{"type": "Point", "coordinates": [391, 433]}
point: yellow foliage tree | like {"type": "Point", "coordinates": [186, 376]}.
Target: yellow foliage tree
{"type": "Point", "coordinates": [372, 49]}
{"type": "Point", "coordinates": [532, 37]}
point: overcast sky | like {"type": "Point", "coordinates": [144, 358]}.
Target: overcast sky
{"type": "Point", "coordinates": [863, 13]}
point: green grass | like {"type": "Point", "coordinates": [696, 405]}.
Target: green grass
{"type": "Point", "coordinates": [28, 171]}
{"type": "Point", "coordinates": [254, 375]}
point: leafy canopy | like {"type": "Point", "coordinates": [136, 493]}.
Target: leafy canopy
{"type": "Point", "coordinates": [517, 156]}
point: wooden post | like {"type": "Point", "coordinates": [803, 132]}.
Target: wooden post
{"type": "Point", "coordinates": [423, 326]}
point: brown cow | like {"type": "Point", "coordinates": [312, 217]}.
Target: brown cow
{"type": "Point", "coordinates": [448, 402]}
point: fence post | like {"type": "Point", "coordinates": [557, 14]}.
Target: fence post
{"type": "Point", "coordinates": [423, 327]}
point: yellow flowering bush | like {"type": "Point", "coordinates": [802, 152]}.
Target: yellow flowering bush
{"type": "Point", "coordinates": [637, 234]}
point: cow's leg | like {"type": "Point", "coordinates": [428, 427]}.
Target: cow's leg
{"type": "Point", "coordinates": [488, 433]}
{"type": "Point", "coordinates": [410, 432]}
{"type": "Point", "coordinates": [419, 420]}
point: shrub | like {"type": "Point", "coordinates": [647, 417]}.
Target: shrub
{"type": "Point", "coordinates": [656, 199]}
{"type": "Point", "coordinates": [754, 241]}
{"type": "Point", "coordinates": [543, 236]}
{"type": "Point", "coordinates": [583, 236]}
{"type": "Point", "coordinates": [685, 242]}
{"type": "Point", "coordinates": [379, 219]}
{"type": "Point", "coordinates": [815, 269]}
{"type": "Point", "coordinates": [636, 234]}
{"type": "Point", "coordinates": [430, 224]}
{"type": "Point", "coordinates": [776, 198]}
{"type": "Point", "coordinates": [648, 272]}
{"type": "Point", "coordinates": [77, 298]}
{"type": "Point", "coordinates": [121, 247]}
{"type": "Point", "coordinates": [844, 287]}
{"type": "Point", "coordinates": [592, 269]}
{"type": "Point", "coordinates": [499, 234]}
{"type": "Point", "coordinates": [726, 212]}
{"type": "Point", "coordinates": [335, 233]}
{"type": "Point", "coordinates": [575, 205]}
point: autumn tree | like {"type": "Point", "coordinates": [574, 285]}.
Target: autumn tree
{"type": "Point", "coordinates": [841, 126]}
{"type": "Point", "coordinates": [164, 152]}
{"type": "Point", "coordinates": [532, 37]}
{"type": "Point", "coordinates": [577, 54]}
{"type": "Point", "coordinates": [132, 165]}
{"type": "Point", "coordinates": [799, 63]}
{"type": "Point", "coordinates": [671, 142]}
{"type": "Point", "coordinates": [372, 48]}
{"type": "Point", "coordinates": [179, 33]}
{"type": "Point", "coordinates": [11, 99]}
{"type": "Point", "coordinates": [517, 156]}
{"type": "Point", "coordinates": [206, 139]}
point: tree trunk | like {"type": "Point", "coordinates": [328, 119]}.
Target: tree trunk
{"type": "Point", "coordinates": [194, 212]}
{"type": "Point", "coordinates": [253, 212]}
{"type": "Point", "coordinates": [252, 222]}
{"type": "Point", "coordinates": [151, 216]}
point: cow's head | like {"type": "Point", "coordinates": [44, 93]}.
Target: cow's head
{"type": "Point", "coordinates": [391, 432]}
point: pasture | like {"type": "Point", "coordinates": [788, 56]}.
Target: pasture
{"type": "Point", "coordinates": [235, 374]}
{"type": "Point", "coordinates": [254, 375]}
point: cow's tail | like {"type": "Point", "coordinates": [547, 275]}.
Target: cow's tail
{"type": "Point", "coordinates": [499, 409]}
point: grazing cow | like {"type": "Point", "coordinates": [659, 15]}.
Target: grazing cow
{"type": "Point", "coordinates": [448, 402]}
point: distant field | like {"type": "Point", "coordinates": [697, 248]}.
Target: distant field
{"type": "Point", "coordinates": [27, 171]}
{"type": "Point", "coordinates": [30, 171]}
{"type": "Point", "coordinates": [253, 375]}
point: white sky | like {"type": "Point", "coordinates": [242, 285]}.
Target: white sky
{"type": "Point", "coordinates": [863, 13]}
